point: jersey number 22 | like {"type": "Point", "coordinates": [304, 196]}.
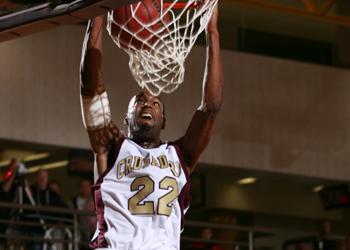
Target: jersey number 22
{"type": "Point", "coordinates": [137, 206]}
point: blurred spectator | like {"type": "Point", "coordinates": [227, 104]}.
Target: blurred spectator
{"type": "Point", "coordinates": [16, 188]}
{"type": "Point", "coordinates": [10, 193]}
{"type": "Point", "coordinates": [326, 242]}
{"type": "Point", "coordinates": [226, 217]}
{"type": "Point", "coordinates": [8, 178]}
{"type": "Point", "coordinates": [325, 228]}
{"type": "Point", "coordinates": [42, 196]}
{"type": "Point", "coordinates": [303, 246]}
{"type": "Point", "coordinates": [54, 186]}
{"type": "Point", "coordinates": [206, 235]}
{"type": "Point", "coordinates": [41, 192]}
{"type": "Point", "coordinates": [345, 244]}
{"type": "Point", "coordinates": [83, 201]}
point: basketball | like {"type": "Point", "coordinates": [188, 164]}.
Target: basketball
{"type": "Point", "coordinates": [137, 24]}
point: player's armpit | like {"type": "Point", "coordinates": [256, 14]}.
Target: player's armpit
{"type": "Point", "coordinates": [197, 136]}
{"type": "Point", "coordinates": [101, 139]}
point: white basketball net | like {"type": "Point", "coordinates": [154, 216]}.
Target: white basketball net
{"type": "Point", "coordinates": [158, 65]}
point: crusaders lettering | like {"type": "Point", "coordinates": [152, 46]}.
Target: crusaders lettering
{"type": "Point", "coordinates": [134, 163]}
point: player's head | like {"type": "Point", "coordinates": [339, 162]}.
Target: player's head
{"type": "Point", "coordinates": [145, 117]}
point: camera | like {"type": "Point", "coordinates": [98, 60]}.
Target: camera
{"type": "Point", "coordinates": [21, 173]}
{"type": "Point", "coordinates": [22, 170]}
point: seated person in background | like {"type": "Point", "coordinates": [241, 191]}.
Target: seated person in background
{"type": "Point", "coordinates": [9, 193]}
{"type": "Point", "coordinates": [42, 194]}
{"type": "Point", "coordinates": [302, 246]}
{"type": "Point", "coordinates": [83, 201]}
{"type": "Point", "coordinates": [326, 242]}
{"type": "Point", "coordinates": [16, 189]}
{"type": "Point", "coordinates": [206, 234]}
{"type": "Point", "coordinates": [55, 186]}
{"type": "Point", "coordinates": [345, 244]}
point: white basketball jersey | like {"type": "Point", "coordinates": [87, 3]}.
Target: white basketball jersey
{"type": "Point", "coordinates": [141, 198]}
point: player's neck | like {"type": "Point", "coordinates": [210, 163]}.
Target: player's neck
{"type": "Point", "coordinates": [146, 142]}
{"type": "Point", "coordinates": [149, 144]}
{"type": "Point", "coordinates": [146, 139]}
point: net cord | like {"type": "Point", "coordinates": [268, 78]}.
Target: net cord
{"type": "Point", "coordinates": [158, 63]}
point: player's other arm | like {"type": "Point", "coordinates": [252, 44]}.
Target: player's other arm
{"type": "Point", "coordinates": [94, 100]}
{"type": "Point", "coordinates": [201, 127]}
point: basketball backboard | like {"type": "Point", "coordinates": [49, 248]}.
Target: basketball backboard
{"type": "Point", "coordinates": [18, 19]}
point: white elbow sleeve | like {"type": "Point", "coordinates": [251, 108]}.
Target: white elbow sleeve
{"type": "Point", "coordinates": [95, 111]}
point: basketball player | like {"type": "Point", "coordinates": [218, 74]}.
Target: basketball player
{"type": "Point", "coordinates": [141, 191]}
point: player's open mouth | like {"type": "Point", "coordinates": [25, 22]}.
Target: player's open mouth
{"type": "Point", "coordinates": [146, 116]}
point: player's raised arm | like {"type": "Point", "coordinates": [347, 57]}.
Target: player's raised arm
{"type": "Point", "coordinates": [201, 127]}
{"type": "Point", "coordinates": [91, 59]}
{"type": "Point", "coordinates": [94, 100]}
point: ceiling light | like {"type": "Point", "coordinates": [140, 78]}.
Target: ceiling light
{"type": "Point", "coordinates": [318, 188]}
{"type": "Point", "coordinates": [53, 165]}
{"type": "Point", "coordinates": [35, 157]}
{"type": "Point", "coordinates": [247, 180]}
{"type": "Point", "coordinates": [28, 158]}
{"type": "Point", "coordinates": [4, 163]}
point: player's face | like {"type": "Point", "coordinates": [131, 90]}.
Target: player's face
{"type": "Point", "coordinates": [145, 113]}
